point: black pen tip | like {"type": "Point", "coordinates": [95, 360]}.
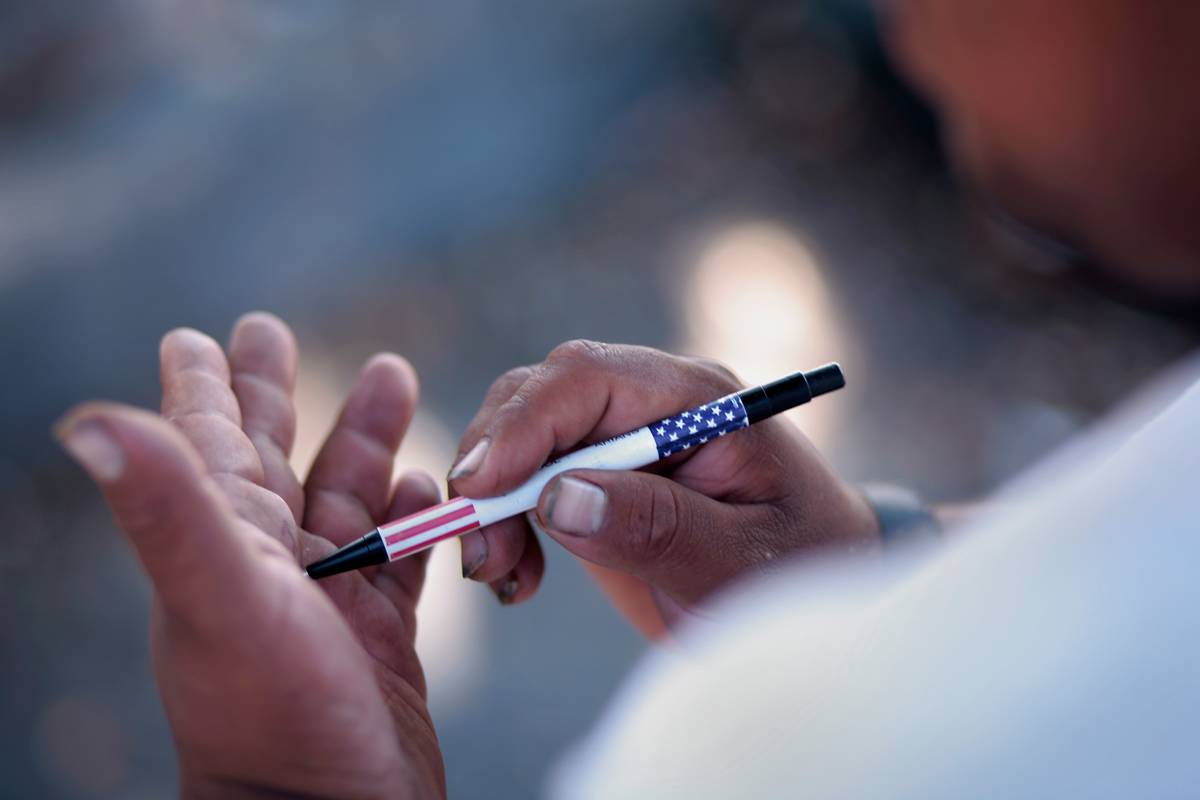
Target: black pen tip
{"type": "Point", "coordinates": [365, 552]}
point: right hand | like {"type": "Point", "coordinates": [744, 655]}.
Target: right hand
{"type": "Point", "coordinates": [661, 540]}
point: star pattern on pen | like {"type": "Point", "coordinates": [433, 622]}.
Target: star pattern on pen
{"type": "Point", "coordinates": [699, 425]}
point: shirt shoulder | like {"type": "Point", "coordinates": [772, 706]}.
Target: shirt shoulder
{"type": "Point", "coordinates": [1049, 651]}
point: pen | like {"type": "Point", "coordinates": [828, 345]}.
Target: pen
{"type": "Point", "coordinates": [637, 448]}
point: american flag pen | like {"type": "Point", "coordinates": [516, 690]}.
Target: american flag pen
{"type": "Point", "coordinates": [638, 448]}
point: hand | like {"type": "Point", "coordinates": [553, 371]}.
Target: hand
{"type": "Point", "coordinates": [273, 684]}
{"type": "Point", "coordinates": [661, 540]}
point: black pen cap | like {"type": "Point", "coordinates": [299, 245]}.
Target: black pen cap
{"type": "Point", "coordinates": [826, 379]}
{"type": "Point", "coordinates": [774, 398]}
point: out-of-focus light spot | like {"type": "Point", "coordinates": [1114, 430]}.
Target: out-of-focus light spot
{"type": "Point", "coordinates": [81, 745]}
{"type": "Point", "coordinates": [756, 300]}
{"type": "Point", "coordinates": [449, 615]}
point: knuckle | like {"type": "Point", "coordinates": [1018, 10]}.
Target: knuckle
{"type": "Point", "coordinates": [519, 374]}
{"type": "Point", "coordinates": [716, 373]}
{"type": "Point", "coordinates": [580, 350]}
{"type": "Point", "coordinates": [496, 422]}
{"type": "Point", "coordinates": [512, 423]}
{"type": "Point", "coordinates": [495, 401]}
{"type": "Point", "coordinates": [510, 381]}
{"type": "Point", "coordinates": [511, 410]}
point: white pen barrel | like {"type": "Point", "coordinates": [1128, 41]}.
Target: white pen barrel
{"type": "Point", "coordinates": [628, 451]}
{"type": "Point", "coordinates": [638, 448]}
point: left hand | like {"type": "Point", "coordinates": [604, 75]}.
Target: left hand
{"type": "Point", "coordinates": [273, 684]}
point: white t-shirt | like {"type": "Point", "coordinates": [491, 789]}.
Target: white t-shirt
{"type": "Point", "coordinates": [1052, 649]}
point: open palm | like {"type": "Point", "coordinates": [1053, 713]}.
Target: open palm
{"type": "Point", "coordinates": [272, 683]}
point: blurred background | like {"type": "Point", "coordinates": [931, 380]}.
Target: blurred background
{"type": "Point", "coordinates": [470, 183]}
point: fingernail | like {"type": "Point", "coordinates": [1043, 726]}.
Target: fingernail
{"type": "Point", "coordinates": [474, 553]}
{"type": "Point", "coordinates": [508, 590]}
{"type": "Point", "coordinates": [95, 449]}
{"type": "Point", "coordinates": [575, 507]}
{"type": "Point", "coordinates": [471, 462]}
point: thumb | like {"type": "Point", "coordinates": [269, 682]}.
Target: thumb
{"type": "Point", "coordinates": [650, 526]}
{"type": "Point", "coordinates": [178, 522]}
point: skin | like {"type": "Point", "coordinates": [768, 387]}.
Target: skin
{"type": "Point", "coordinates": [273, 684]}
{"type": "Point", "coordinates": [1080, 116]}
{"type": "Point", "coordinates": [669, 537]}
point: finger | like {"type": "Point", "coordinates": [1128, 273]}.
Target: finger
{"type": "Point", "coordinates": [186, 536]}
{"type": "Point", "coordinates": [521, 582]}
{"type": "Point", "coordinates": [347, 490]}
{"type": "Point", "coordinates": [198, 400]}
{"type": "Point", "coordinates": [584, 391]}
{"type": "Point", "coordinates": [401, 580]}
{"type": "Point", "coordinates": [490, 553]}
{"type": "Point", "coordinates": [656, 529]}
{"type": "Point", "coordinates": [493, 551]}
{"type": "Point", "coordinates": [498, 393]}
{"type": "Point", "coordinates": [262, 360]}
{"type": "Point", "coordinates": [262, 509]}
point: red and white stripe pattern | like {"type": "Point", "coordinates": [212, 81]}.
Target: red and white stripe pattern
{"type": "Point", "coordinates": [421, 530]}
